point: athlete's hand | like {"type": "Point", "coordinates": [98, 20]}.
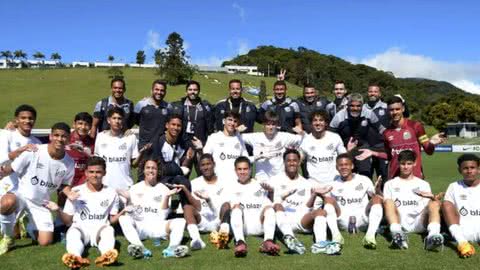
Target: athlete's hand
{"type": "Point", "coordinates": [128, 132]}
{"type": "Point", "coordinates": [124, 193]}
{"type": "Point", "coordinates": [366, 153]}
{"type": "Point", "coordinates": [129, 208]}
{"type": "Point", "coordinates": [298, 130]}
{"type": "Point", "coordinates": [145, 148]}
{"type": "Point", "coordinates": [438, 138]}
{"type": "Point", "coordinates": [197, 144]}
{"type": "Point", "coordinates": [241, 128]}
{"type": "Point", "coordinates": [281, 76]}
{"type": "Point", "coordinates": [179, 186]}
{"type": "Point", "coordinates": [73, 195]}
{"type": "Point", "coordinates": [321, 190]}
{"type": "Point", "coordinates": [173, 191]}
{"type": "Point", "coordinates": [10, 125]}
{"type": "Point", "coordinates": [352, 143]}
{"type": "Point", "coordinates": [202, 195]}
{"type": "Point", "coordinates": [266, 186]}
{"type": "Point", "coordinates": [50, 205]}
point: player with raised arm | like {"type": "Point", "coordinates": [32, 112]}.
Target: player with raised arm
{"type": "Point", "coordinates": [460, 206]}
{"type": "Point", "coordinates": [410, 206]}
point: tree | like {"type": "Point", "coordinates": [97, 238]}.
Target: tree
{"type": "Point", "coordinates": [173, 64]}
{"type": "Point", "coordinates": [56, 56]}
{"type": "Point", "coordinates": [19, 54]}
{"type": "Point", "coordinates": [111, 58]}
{"type": "Point", "coordinates": [262, 95]}
{"type": "Point", "coordinates": [440, 114]}
{"type": "Point", "coordinates": [115, 72]}
{"type": "Point", "coordinates": [468, 112]}
{"type": "Point", "coordinates": [141, 57]}
{"type": "Point", "coordinates": [7, 55]}
{"type": "Point", "coordinates": [38, 55]}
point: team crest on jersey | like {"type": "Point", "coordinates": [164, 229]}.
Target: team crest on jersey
{"type": "Point", "coordinates": [34, 180]}
{"type": "Point", "coordinates": [287, 109]}
{"type": "Point", "coordinates": [219, 192]}
{"type": "Point", "coordinates": [397, 189]}
{"type": "Point", "coordinates": [259, 193]}
{"type": "Point", "coordinates": [381, 112]}
{"type": "Point", "coordinates": [364, 123]}
{"type": "Point", "coordinates": [278, 145]}
{"type": "Point", "coordinates": [60, 173]}
{"type": "Point", "coordinates": [301, 192]}
{"type": "Point", "coordinates": [247, 109]}
{"type": "Point", "coordinates": [463, 197]}
{"type": "Point", "coordinates": [164, 111]}
{"type": "Point", "coordinates": [199, 108]}
{"type": "Point", "coordinates": [223, 156]}
{"type": "Point", "coordinates": [40, 166]}
{"type": "Point", "coordinates": [123, 146]}
{"type": "Point", "coordinates": [330, 146]}
{"type": "Point", "coordinates": [390, 138]}
{"type": "Point", "coordinates": [359, 187]}
{"type": "Point", "coordinates": [104, 203]}
{"type": "Point", "coordinates": [398, 203]}
{"type": "Point", "coordinates": [126, 109]}
{"type": "Point", "coordinates": [407, 135]}
{"type": "Point", "coordinates": [222, 112]}
{"type": "Point", "coordinates": [463, 211]}
{"type": "Point", "coordinates": [158, 198]}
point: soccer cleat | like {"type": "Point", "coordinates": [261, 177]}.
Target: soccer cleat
{"type": "Point", "coordinates": [6, 244]}
{"type": "Point", "coordinates": [73, 261]}
{"type": "Point", "coordinates": [369, 242]}
{"type": "Point", "coordinates": [197, 244]}
{"type": "Point", "coordinates": [270, 248]}
{"type": "Point", "coordinates": [433, 242]}
{"type": "Point", "coordinates": [465, 249]}
{"type": "Point", "coordinates": [293, 244]}
{"type": "Point", "coordinates": [240, 249]}
{"type": "Point", "coordinates": [326, 247]}
{"type": "Point", "coordinates": [136, 251]}
{"type": "Point", "coordinates": [147, 254]}
{"type": "Point", "coordinates": [177, 252]}
{"type": "Point", "coordinates": [338, 239]}
{"type": "Point", "coordinates": [219, 239]}
{"type": "Point", "coordinates": [400, 240]}
{"type": "Point", "coordinates": [107, 258]}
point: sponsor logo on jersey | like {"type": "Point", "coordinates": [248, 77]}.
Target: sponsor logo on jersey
{"type": "Point", "coordinates": [115, 159]}
{"type": "Point", "coordinates": [464, 212]}
{"type": "Point", "coordinates": [36, 181]}
{"type": "Point", "coordinates": [250, 206]}
{"type": "Point", "coordinates": [390, 138]}
{"type": "Point", "coordinates": [85, 215]}
{"type": "Point", "coordinates": [123, 146]}
{"type": "Point", "coordinates": [292, 202]}
{"type": "Point", "coordinates": [407, 135]}
{"type": "Point", "coordinates": [344, 201]}
{"type": "Point", "coordinates": [105, 203]}
{"type": "Point", "coordinates": [321, 159]}
{"type": "Point", "coordinates": [40, 165]}
{"type": "Point", "coordinates": [148, 209]}
{"type": "Point", "coordinates": [399, 203]}
{"type": "Point", "coordinates": [224, 156]}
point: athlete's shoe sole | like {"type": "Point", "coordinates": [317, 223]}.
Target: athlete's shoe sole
{"type": "Point", "coordinates": [197, 245]}
{"type": "Point", "coordinates": [108, 258]}
{"type": "Point", "coordinates": [175, 252]}
{"type": "Point", "coordinates": [74, 262]}
{"type": "Point", "coordinates": [240, 249]}
{"type": "Point", "coordinates": [465, 250]}
{"type": "Point", "coordinates": [270, 248]}
{"type": "Point", "coordinates": [400, 240]}
{"type": "Point", "coordinates": [326, 247]}
{"type": "Point", "coordinates": [294, 245]}
{"type": "Point", "coordinates": [434, 242]}
{"type": "Point", "coordinates": [135, 251]}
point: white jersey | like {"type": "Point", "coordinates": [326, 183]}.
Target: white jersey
{"type": "Point", "coordinates": [297, 202]}
{"type": "Point", "coordinates": [352, 196]}
{"type": "Point", "coordinates": [147, 201]}
{"type": "Point", "coordinates": [321, 154]}
{"type": "Point", "coordinates": [93, 208]}
{"type": "Point", "coordinates": [118, 153]}
{"type": "Point", "coordinates": [467, 201]}
{"type": "Point", "coordinates": [217, 194]}
{"type": "Point", "coordinates": [251, 197]}
{"type": "Point", "coordinates": [267, 168]}
{"type": "Point", "coordinates": [11, 140]}
{"type": "Point", "coordinates": [402, 192]}
{"type": "Point", "coordinates": [40, 174]}
{"type": "Point", "coordinates": [225, 149]}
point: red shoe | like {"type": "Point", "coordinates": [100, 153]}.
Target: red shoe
{"type": "Point", "coordinates": [240, 249]}
{"type": "Point", "coordinates": [270, 248]}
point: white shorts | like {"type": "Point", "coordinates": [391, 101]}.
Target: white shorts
{"type": "Point", "coordinates": [208, 225]}
{"type": "Point", "coordinates": [471, 231]}
{"type": "Point", "coordinates": [40, 218]}
{"type": "Point", "coordinates": [361, 222]}
{"type": "Point", "coordinates": [252, 222]}
{"type": "Point", "coordinates": [415, 224]}
{"type": "Point", "coordinates": [295, 221]}
{"type": "Point", "coordinates": [89, 235]}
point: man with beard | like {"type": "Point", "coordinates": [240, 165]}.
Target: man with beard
{"type": "Point", "coordinates": [341, 99]}
{"type": "Point", "coordinates": [310, 102]}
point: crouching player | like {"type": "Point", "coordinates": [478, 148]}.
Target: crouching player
{"type": "Point", "coordinates": [89, 218]}
{"type": "Point", "coordinates": [410, 206]}
{"type": "Point", "coordinates": [294, 197]}
{"type": "Point", "coordinates": [252, 211]}
{"type": "Point", "coordinates": [209, 209]}
{"type": "Point", "coordinates": [349, 201]}
{"type": "Point", "coordinates": [460, 206]}
{"type": "Point", "coordinates": [146, 213]}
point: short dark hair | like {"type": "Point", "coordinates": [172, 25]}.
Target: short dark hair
{"type": "Point", "coordinates": [321, 113]}
{"type": "Point", "coordinates": [96, 161]}
{"type": "Point", "coordinates": [192, 82]}
{"type": "Point", "coordinates": [160, 82]}
{"type": "Point", "coordinates": [339, 81]}
{"type": "Point", "coordinates": [115, 110]}
{"type": "Point", "coordinates": [206, 156]}
{"type": "Point", "coordinates": [174, 116]}
{"type": "Point", "coordinates": [242, 159]}
{"type": "Point", "coordinates": [232, 114]}
{"type": "Point", "coordinates": [393, 100]}
{"type": "Point", "coordinates": [308, 85]}
{"type": "Point", "coordinates": [158, 162]}
{"type": "Point", "coordinates": [468, 157]}
{"type": "Point", "coordinates": [376, 84]}
{"type": "Point", "coordinates": [61, 126]}
{"type": "Point", "coordinates": [26, 108]}
{"type": "Point", "coordinates": [118, 79]}
{"type": "Point", "coordinates": [271, 116]}
{"type": "Point", "coordinates": [234, 81]}
{"type": "Point", "coordinates": [407, 155]}
{"type": "Point", "coordinates": [344, 155]}
{"type": "Point", "coordinates": [83, 116]}
{"type": "Point", "coordinates": [280, 83]}
{"type": "Point", "coordinates": [291, 151]}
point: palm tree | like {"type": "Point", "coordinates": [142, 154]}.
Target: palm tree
{"type": "Point", "coordinates": [38, 55]}
{"type": "Point", "coordinates": [56, 56]}
{"type": "Point", "coordinates": [111, 59]}
{"type": "Point", "coordinates": [20, 54]}
{"type": "Point", "coordinates": [7, 55]}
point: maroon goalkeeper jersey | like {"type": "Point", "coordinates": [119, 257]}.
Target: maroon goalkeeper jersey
{"type": "Point", "coordinates": [409, 136]}
{"type": "Point", "coordinates": [80, 157]}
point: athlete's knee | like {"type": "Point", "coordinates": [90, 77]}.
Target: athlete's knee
{"type": "Point", "coordinates": [44, 241]}
{"type": "Point", "coordinates": [107, 230]}
{"type": "Point", "coordinates": [8, 204]}
{"type": "Point", "coordinates": [278, 207]}
{"type": "Point", "coordinates": [318, 213]}
{"type": "Point", "coordinates": [434, 206]}
{"type": "Point", "coordinates": [377, 200]}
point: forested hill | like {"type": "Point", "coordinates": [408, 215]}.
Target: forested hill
{"type": "Point", "coordinates": [304, 65]}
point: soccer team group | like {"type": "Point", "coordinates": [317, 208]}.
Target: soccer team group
{"type": "Point", "coordinates": [309, 171]}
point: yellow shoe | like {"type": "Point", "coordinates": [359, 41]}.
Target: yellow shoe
{"type": "Point", "coordinates": [74, 261]}
{"type": "Point", "coordinates": [107, 258]}
{"type": "Point", "coordinates": [219, 239]}
{"type": "Point", "coordinates": [6, 244]}
{"type": "Point", "coordinates": [465, 249]}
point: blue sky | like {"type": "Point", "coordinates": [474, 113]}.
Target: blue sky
{"type": "Point", "coordinates": [434, 39]}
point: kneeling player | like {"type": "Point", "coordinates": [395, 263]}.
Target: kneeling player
{"type": "Point", "coordinates": [252, 211]}
{"type": "Point", "coordinates": [460, 206]}
{"type": "Point", "coordinates": [410, 206]}
{"type": "Point", "coordinates": [90, 217]}
{"type": "Point", "coordinates": [147, 211]}
{"type": "Point", "coordinates": [349, 200]}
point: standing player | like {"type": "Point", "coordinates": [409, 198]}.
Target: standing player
{"type": "Point", "coordinates": [252, 212]}
{"type": "Point", "coordinates": [460, 206]}
{"type": "Point", "coordinates": [309, 103]}
{"type": "Point", "coordinates": [41, 172]}
{"type": "Point", "coordinates": [410, 206]}
{"type": "Point", "coordinates": [341, 98]}
{"type": "Point", "coordinates": [146, 215]}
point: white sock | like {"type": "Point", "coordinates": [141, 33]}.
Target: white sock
{"type": "Point", "coordinates": [433, 228]}
{"type": "Point", "coordinates": [74, 242]}
{"type": "Point", "coordinates": [128, 227]}
{"type": "Point", "coordinates": [283, 224]}
{"type": "Point", "coordinates": [225, 227]}
{"type": "Point", "coordinates": [193, 232]}
{"type": "Point", "coordinates": [236, 221]}
{"type": "Point", "coordinates": [395, 227]}
{"type": "Point", "coordinates": [268, 224]}
{"type": "Point", "coordinates": [374, 219]}
{"type": "Point", "coordinates": [320, 228]}
{"type": "Point", "coordinates": [107, 239]}
{"type": "Point", "coordinates": [457, 233]}
{"type": "Point", "coordinates": [7, 223]}
{"type": "Point", "coordinates": [332, 219]}
{"type": "Point", "coordinates": [177, 226]}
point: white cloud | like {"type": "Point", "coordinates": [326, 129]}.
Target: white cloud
{"type": "Point", "coordinates": [462, 75]}
{"type": "Point", "coordinates": [240, 10]}
{"type": "Point", "coordinates": [243, 47]}
{"type": "Point", "coordinates": [153, 41]}
{"type": "Point", "coordinates": [213, 61]}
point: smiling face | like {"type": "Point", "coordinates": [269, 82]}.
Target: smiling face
{"type": "Point", "coordinates": [151, 172]}
{"type": "Point", "coordinates": [374, 93]}
{"type": "Point", "coordinates": [242, 169]}
{"type": "Point", "coordinates": [309, 94]}
{"type": "Point", "coordinates": [193, 91]}
{"type": "Point", "coordinates": [82, 127]}
{"type": "Point", "coordinates": [230, 125]}
{"type": "Point", "coordinates": [292, 163]}
{"type": "Point", "coordinates": [355, 108]}
{"type": "Point", "coordinates": [396, 111]}
{"type": "Point", "coordinates": [235, 90]}
{"type": "Point", "coordinates": [118, 89]}
{"type": "Point", "coordinates": [319, 124]}
{"type": "Point", "coordinates": [344, 167]}
{"type": "Point", "coordinates": [25, 121]}
{"type": "Point", "coordinates": [158, 92]}
{"type": "Point", "coordinates": [280, 91]}
{"type": "Point", "coordinates": [339, 90]}
{"type": "Point", "coordinates": [59, 139]}
{"type": "Point", "coordinates": [174, 127]}
{"type": "Point", "coordinates": [94, 174]}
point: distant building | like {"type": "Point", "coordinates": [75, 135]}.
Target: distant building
{"type": "Point", "coordinates": [135, 65]}
{"type": "Point", "coordinates": [462, 129]}
{"type": "Point", "coordinates": [108, 64]}
{"type": "Point", "coordinates": [250, 70]}
{"type": "Point", "coordinates": [212, 69]}
{"type": "Point", "coordinates": [80, 64]}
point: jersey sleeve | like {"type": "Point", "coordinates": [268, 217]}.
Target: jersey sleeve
{"type": "Point", "coordinates": [335, 123]}
{"type": "Point", "coordinates": [249, 138]}
{"type": "Point", "coordinates": [115, 205]}
{"type": "Point", "coordinates": [450, 193]}
{"type": "Point", "coordinates": [69, 208]}
{"type": "Point", "coordinates": [97, 110]}
{"type": "Point", "coordinates": [292, 140]}
{"type": "Point", "coordinates": [4, 138]}
{"type": "Point", "coordinates": [20, 164]}
{"type": "Point", "coordinates": [422, 138]}
{"type": "Point", "coordinates": [340, 146]}
{"type": "Point", "coordinates": [375, 122]}
{"type": "Point", "coordinates": [387, 191]}
{"type": "Point", "coordinates": [209, 145]}
{"type": "Point", "coordinates": [98, 142]}
{"type": "Point", "coordinates": [134, 147]}
{"type": "Point", "coordinates": [369, 185]}
{"type": "Point", "coordinates": [67, 180]}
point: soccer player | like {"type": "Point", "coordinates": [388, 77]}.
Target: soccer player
{"type": "Point", "coordinates": [117, 99]}
{"type": "Point", "coordinates": [89, 218]}
{"type": "Point", "coordinates": [146, 215]}
{"type": "Point", "coordinates": [225, 146]}
{"type": "Point", "coordinates": [460, 207]}
{"type": "Point", "coordinates": [12, 144]}
{"type": "Point", "coordinates": [119, 151]}
{"type": "Point", "coordinates": [309, 103]}
{"type": "Point", "coordinates": [41, 172]}
{"type": "Point", "coordinates": [236, 103]}
{"type": "Point", "coordinates": [320, 149]}
{"type": "Point", "coordinates": [353, 203]}
{"type": "Point", "coordinates": [341, 98]}
{"type": "Point", "coordinates": [252, 212]}
{"type": "Point", "coordinates": [294, 198]}
{"type": "Point", "coordinates": [410, 206]}
{"type": "Point", "coordinates": [212, 209]}
{"type": "Point", "coordinates": [269, 146]}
